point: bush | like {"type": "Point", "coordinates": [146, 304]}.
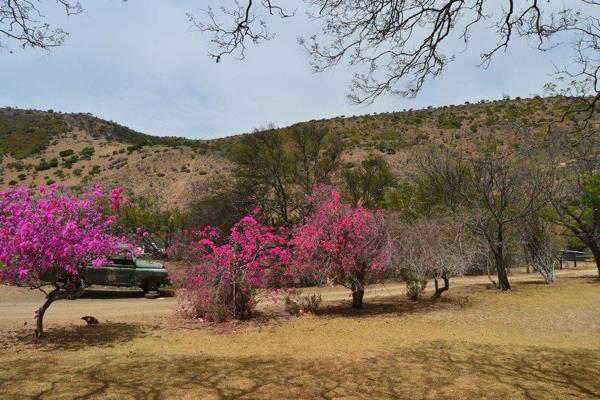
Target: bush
{"type": "Point", "coordinates": [66, 153]}
{"type": "Point", "coordinates": [296, 304]}
{"type": "Point", "coordinates": [415, 284]}
{"type": "Point", "coordinates": [44, 165]}
{"type": "Point", "coordinates": [68, 163]}
{"type": "Point", "coordinates": [87, 152]}
{"type": "Point", "coordinates": [224, 282]}
{"type": "Point", "coordinates": [95, 170]}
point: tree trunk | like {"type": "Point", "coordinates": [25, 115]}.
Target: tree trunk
{"type": "Point", "coordinates": [503, 282]}
{"type": "Point", "coordinates": [438, 291]}
{"type": "Point", "coordinates": [39, 327]}
{"type": "Point", "coordinates": [56, 294]}
{"type": "Point", "coordinates": [596, 252]}
{"type": "Point", "coordinates": [357, 298]}
{"type": "Point", "coordinates": [358, 287]}
{"type": "Point", "coordinates": [500, 266]}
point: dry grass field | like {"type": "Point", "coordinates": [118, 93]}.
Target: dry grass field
{"type": "Point", "coordinates": [537, 342]}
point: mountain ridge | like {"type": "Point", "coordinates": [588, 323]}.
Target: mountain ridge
{"type": "Point", "coordinates": [78, 149]}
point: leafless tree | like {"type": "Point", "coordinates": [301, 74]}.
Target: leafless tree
{"type": "Point", "coordinates": [540, 247]}
{"type": "Point", "coordinates": [437, 247]}
{"type": "Point", "coordinates": [395, 46]}
{"type": "Point", "coordinates": [21, 21]}
{"type": "Point", "coordinates": [505, 190]}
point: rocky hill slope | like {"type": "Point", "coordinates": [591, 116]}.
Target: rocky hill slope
{"type": "Point", "coordinates": [42, 147]}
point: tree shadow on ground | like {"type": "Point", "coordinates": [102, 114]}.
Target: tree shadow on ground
{"type": "Point", "coordinates": [388, 305]}
{"type": "Point", "coordinates": [437, 369]}
{"type": "Point", "coordinates": [102, 293]}
{"type": "Point", "coordinates": [106, 334]}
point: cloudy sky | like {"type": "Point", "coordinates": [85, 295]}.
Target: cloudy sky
{"type": "Point", "coordinates": [141, 64]}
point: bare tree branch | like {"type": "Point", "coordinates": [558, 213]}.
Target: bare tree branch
{"type": "Point", "coordinates": [21, 21]}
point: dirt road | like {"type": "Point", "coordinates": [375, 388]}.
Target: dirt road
{"type": "Point", "coordinates": [17, 305]}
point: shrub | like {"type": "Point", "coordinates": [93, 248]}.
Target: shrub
{"type": "Point", "coordinates": [42, 166]}
{"type": "Point", "coordinates": [66, 153]}
{"type": "Point", "coordinates": [229, 272]}
{"type": "Point", "coordinates": [87, 152]}
{"type": "Point", "coordinates": [415, 284]}
{"type": "Point", "coordinates": [68, 163]}
{"type": "Point", "coordinates": [95, 170]}
{"type": "Point", "coordinates": [296, 304]}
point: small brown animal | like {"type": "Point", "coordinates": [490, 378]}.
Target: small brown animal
{"type": "Point", "coordinates": [90, 320]}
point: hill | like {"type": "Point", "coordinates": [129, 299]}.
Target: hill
{"type": "Point", "coordinates": [42, 147]}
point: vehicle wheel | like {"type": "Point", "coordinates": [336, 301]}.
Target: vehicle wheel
{"type": "Point", "coordinates": [151, 295]}
{"type": "Point", "coordinates": [151, 290]}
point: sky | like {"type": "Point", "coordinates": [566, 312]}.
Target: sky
{"type": "Point", "coordinates": [142, 64]}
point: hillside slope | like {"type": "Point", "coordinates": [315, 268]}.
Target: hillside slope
{"type": "Point", "coordinates": [41, 147]}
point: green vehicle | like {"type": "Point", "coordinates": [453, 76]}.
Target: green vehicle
{"type": "Point", "coordinates": [127, 271]}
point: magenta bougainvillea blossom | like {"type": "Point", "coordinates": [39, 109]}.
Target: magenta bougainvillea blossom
{"type": "Point", "coordinates": [224, 282]}
{"type": "Point", "coordinates": [341, 244]}
{"type": "Point", "coordinates": [48, 234]}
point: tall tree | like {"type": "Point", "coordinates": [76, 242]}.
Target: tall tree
{"type": "Point", "coordinates": [366, 184]}
{"type": "Point", "coordinates": [504, 190]}
{"type": "Point", "coordinates": [342, 244]}
{"type": "Point", "coordinates": [577, 209]}
{"type": "Point", "coordinates": [275, 171]}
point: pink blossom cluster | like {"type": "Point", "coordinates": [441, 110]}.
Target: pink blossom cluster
{"type": "Point", "coordinates": [340, 243]}
{"type": "Point", "coordinates": [50, 230]}
{"type": "Point", "coordinates": [224, 282]}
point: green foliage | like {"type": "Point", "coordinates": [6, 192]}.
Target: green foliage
{"type": "Point", "coordinates": [45, 165]}
{"type": "Point", "coordinates": [449, 121]}
{"type": "Point", "coordinates": [87, 152]}
{"type": "Point", "coordinates": [276, 169]}
{"type": "Point", "coordinates": [579, 211]}
{"type": "Point", "coordinates": [95, 170]}
{"type": "Point", "coordinates": [66, 153]}
{"type": "Point", "coordinates": [68, 163]}
{"type": "Point", "coordinates": [165, 226]}
{"type": "Point", "coordinates": [367, 184]}
{"type": "Point", "coordinates": [25, 132]}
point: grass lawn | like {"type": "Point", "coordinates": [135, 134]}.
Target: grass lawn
{"type": "Point", "coordinates": [536, 342]}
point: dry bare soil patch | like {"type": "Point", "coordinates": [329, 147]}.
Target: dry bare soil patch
{"type": "Point", "coordinates": [537, 342]}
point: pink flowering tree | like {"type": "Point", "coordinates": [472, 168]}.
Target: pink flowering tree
{"type": "Point", "coordinates": [47, 238]}
{"type": "Point", "coordinates": [224, 283]}
{"type": "Point", "coordinates": [341, 244]}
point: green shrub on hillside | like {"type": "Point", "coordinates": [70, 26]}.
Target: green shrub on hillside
{"type": "Point", "coordinates": [23, 133]}
{"type": "Point", "coordinates": [87, 152]}
{"type": "Point", "coordinates": [66, 153]}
